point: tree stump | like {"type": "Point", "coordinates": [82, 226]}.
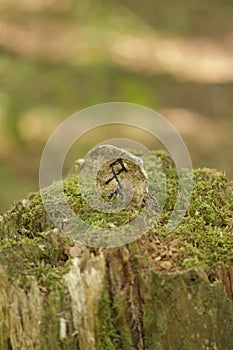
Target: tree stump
{"type": "Point", "coordinates": [163, 291]}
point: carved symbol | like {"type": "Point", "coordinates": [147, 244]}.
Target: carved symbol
{"type": "Point", "coordinates": [115, 174]}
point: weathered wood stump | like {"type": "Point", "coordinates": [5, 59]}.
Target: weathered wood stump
{"type": "Point", "coordinates": [163, 291]}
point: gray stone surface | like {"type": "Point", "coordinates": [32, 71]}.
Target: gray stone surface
{"type": "Point", "coordinates": [114, 175]}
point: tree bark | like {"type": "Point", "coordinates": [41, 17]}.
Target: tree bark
{"type": "Point", "coordinates": [56, 294]}
{"type": "Point", "coordinates": [111, 301]}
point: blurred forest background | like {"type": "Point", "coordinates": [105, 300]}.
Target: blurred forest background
{"type": "Point", "coordinates": [58, 57]}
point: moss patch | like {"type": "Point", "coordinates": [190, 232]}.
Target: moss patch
{"type": "Point", "coordinates": [204, 237]}
{"type": "Point", "coordinates": [35, 257]}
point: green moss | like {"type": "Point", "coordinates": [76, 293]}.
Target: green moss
{"type": "Point", "coordinates": [31, 249]}
{"type": "Point", "coordinates": [206, 231]}
{"type": "Point", "coordinates": [184, 310]}
{"type": "Point", "coordinates": [124, 340]}
{"type": "Point", "coordinates": [204, 235]}
{"type": "Point", "coordinates": [106, 334]}
{"type": "Point", "coordinates": [86, 213]}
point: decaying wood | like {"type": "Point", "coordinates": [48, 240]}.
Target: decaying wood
{"type": "Point", "coordinates": [57, 294]}
{"type": "Point", "coordinates": [111, 302]}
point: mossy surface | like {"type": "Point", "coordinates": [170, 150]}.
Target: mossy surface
{"type": "Point", "coordinates": [204, 236]}
{"type": "Point", "coordinates": [184, 311]}
{"type": "Point", "coordinates": [34, 255]}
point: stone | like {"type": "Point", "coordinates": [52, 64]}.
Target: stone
{"type": "Point", "coordinates": [117, 175]}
